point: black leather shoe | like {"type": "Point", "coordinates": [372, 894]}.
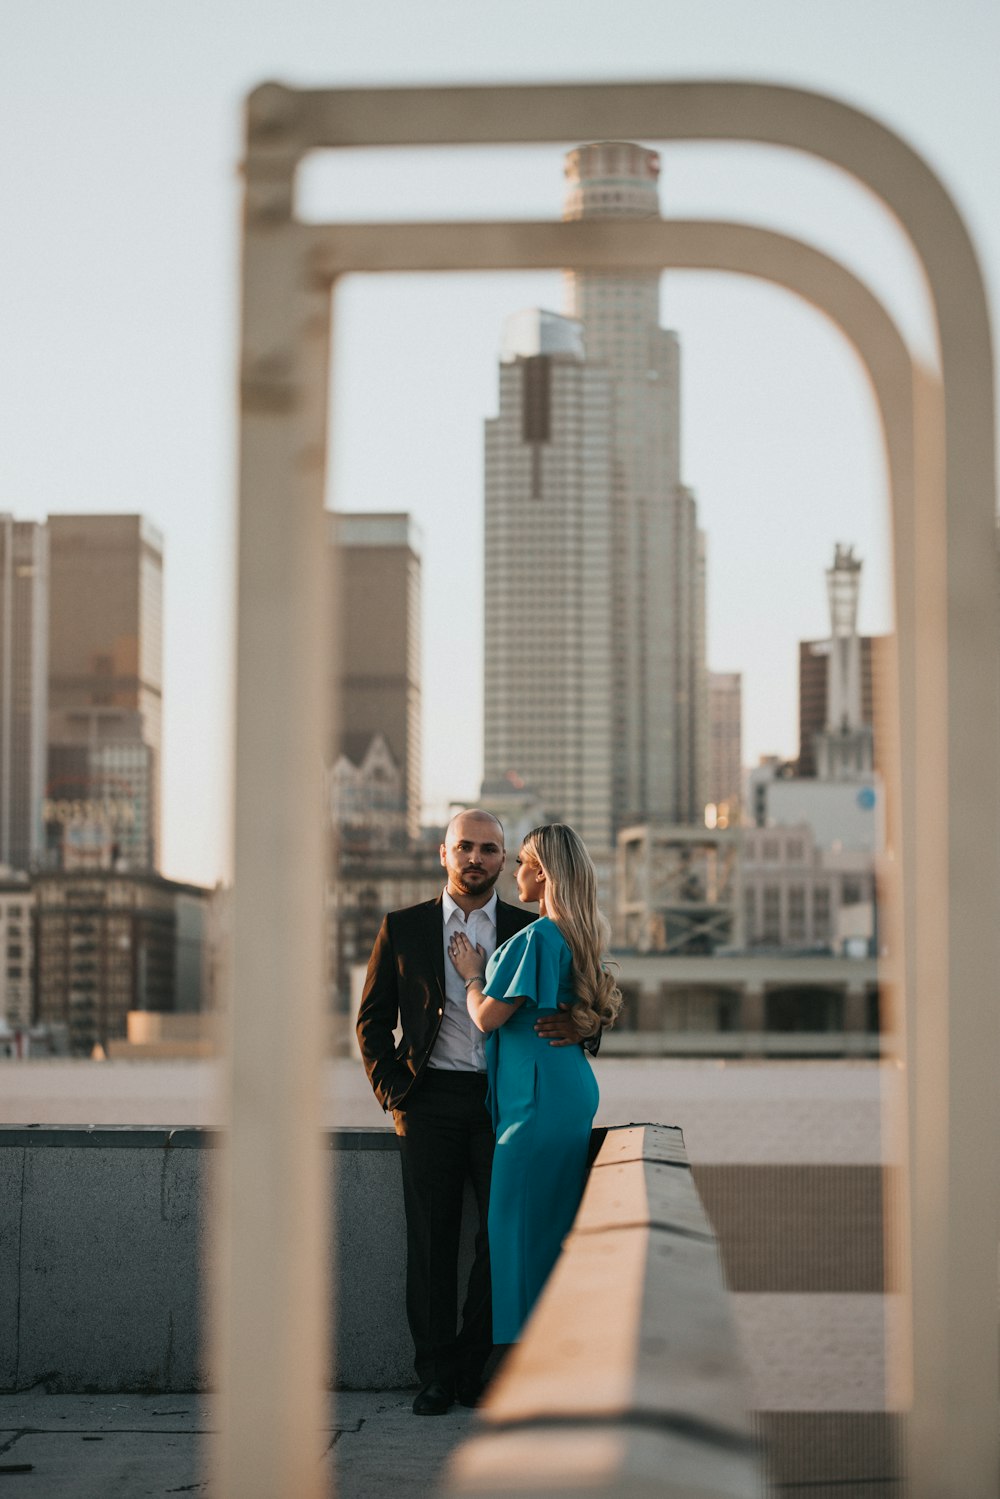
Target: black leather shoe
{"type": "Point", "coordinates": [469, 1391]}
{"type": "Point", "coordinates": [434, 1400]}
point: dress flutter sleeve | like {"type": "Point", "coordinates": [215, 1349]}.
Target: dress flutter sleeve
{"type": "Point", "coordinates": [525, 967]}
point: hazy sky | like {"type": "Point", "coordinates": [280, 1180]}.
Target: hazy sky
{"type": "Point", "coordinates": [121, 127]}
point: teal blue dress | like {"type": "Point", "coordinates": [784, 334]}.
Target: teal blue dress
{"type": "Point", "coordinates": [543, 1100]}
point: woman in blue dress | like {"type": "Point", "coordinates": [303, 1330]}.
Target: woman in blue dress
{"type": "Point", "coordinates": [543, 1097]}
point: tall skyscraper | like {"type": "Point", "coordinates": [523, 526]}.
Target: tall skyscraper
{"type": "Point", "coordinates": [548, 598]}
{"type": "Point", "coordinates": [596, 691]}
{"type": "Point", "coordinates": [375, 561]}
{"type": "Point", "coordinates": [24, 596]}
{"type": "Point", "coordinates": [659, 664]}
{"type": "Point", "coordinates": [837, 680]}
{"type": "Point", "coordinates": [105, 690]}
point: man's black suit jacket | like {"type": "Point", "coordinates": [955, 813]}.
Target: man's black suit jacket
{"type": "Point", "coordinates": [405, 983]}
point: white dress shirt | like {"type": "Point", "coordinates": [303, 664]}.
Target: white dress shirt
{"type": "Point", "coordinates": [459, 1044]}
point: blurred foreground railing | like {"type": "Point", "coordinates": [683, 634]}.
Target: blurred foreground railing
{"type": "Point", "coordinates": [628, 1379]}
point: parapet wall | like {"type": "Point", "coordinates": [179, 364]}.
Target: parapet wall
{"type": "Point", "coordinates": [101, 1246]}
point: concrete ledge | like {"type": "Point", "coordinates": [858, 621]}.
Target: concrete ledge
{"type": "Point", "coordinates": [628, 1377]}
{"type": "Point", "coordinates": [617, 1460]}
{"type": "Point", "coordinates": [156, 1137]}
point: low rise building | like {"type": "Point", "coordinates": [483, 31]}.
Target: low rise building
{"type": "Point", "coordinates": [850, 814]}
{"type": "Point", "coordinates": [16, 950]}
{"type": "Point", "coordinates": [797, 892]}
{"type": "Point", "coordinates": [108, 942]}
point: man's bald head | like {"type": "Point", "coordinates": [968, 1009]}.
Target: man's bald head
{"type": "Point", "coordinates": [474, 812]}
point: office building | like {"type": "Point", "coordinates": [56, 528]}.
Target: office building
{"type": "Point", "coordinates": [105, 691]}
{"type": "Point", "coordinates": [107, 942]}
{"type": "Point", "coordinates": [813, 673]}
{"type": "Point", "coordinates": [24, 602]}
{"type": "Point", "coordinates": [375, 590]}
{"type": "Point", "coordinates": [725, 745]}
{"type": "Point", "coordinates": [801, 893]}
{"type": "Point", "coordinates": [549, 687]}
{"type": "Point", "coordinates": [596, 693]}
{"type": "Point", "coordinates": [16, 950]}
{"type": "Point", "coordinates": [99, 811]}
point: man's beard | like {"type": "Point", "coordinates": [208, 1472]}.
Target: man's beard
{"type": "Point", "coordinates": [482, 881]}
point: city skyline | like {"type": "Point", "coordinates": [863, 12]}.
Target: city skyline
{"type": "Point", "coordinates": [118, 376]}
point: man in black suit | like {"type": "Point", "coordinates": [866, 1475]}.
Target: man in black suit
{"type": "Point", "coordinates": [434, 1081]}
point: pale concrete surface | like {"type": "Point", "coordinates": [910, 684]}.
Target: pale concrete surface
{"type": "Point", "coordinates": [151, 1446]}
{"type": "Point", "coordinates": [819, 1352]}
{"type": "Point", "coordinates": [98, 1229]}
{"type": "Point", "coordinates": [732, 1112]}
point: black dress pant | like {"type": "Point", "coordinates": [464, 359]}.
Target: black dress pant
{"type": "Point", "coordinates": [446, 1137]}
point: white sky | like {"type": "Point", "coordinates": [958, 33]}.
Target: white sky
{"type": "Point", "coordinates": [121, 130]}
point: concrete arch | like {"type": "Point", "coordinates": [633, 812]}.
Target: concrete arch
{"type": "Point", "coordinates": [940, 442]}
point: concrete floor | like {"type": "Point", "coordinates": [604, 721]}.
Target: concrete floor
{"type": "Point", "coordinates": [149, 1446]}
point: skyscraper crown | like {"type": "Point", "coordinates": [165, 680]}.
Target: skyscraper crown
{"type": "Point", "coordinates": [612, 179]}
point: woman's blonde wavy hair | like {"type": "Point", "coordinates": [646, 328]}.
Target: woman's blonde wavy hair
{"type": "Point", "coordinates": [571, 901]}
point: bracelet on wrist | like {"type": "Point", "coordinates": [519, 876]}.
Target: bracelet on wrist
{"type": "Point", "coordinates": [477, 978]}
